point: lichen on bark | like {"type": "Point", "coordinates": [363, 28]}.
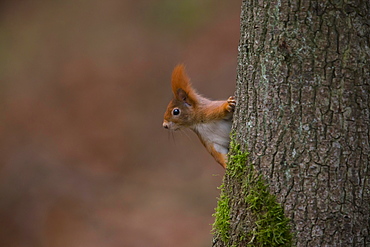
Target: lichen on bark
{"type": "Point", "coordinates": [303, 110]}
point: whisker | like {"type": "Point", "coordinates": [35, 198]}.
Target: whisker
{"type": "Point", "coordinates": [185, 133]}
{"type": "Point", "coordinates": [173, 138]}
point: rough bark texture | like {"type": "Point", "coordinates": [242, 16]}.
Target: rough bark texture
{"type": "Point", "coordinates": [303, 100]}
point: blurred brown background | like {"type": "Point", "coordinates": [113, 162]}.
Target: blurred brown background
{"type": "Point", "coordinates": [84, 160]}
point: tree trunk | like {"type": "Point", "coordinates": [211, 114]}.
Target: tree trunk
{"type": "Point", "coordinates": [303, 100]}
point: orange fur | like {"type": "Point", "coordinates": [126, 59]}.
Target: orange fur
{"type": "Point", "coordinates": [219, 157]}
{"type": "Point", "coordinates": [180, 81]}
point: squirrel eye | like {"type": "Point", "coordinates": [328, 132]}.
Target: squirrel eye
{"type": "Point", "coordinates": [176, 111]}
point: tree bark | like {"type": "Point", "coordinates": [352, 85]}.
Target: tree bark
{"type": "Point", "coordinates": [303, 103]}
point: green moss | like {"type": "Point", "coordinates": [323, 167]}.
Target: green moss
{"type": "Point", "coordinates": [221, 225]}
{"type": "Point", "coordinates": [237, 161]}
{"type": "Point", "coordinates": [236, 164]}
{"type": "Point", "coordinates": [271, 227]}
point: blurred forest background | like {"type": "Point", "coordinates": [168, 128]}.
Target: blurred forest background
{"type": "Point", "coordinates": [84, 160]}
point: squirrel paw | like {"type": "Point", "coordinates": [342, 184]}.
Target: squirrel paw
{"type": "Point", "coordinates": [231, 104]}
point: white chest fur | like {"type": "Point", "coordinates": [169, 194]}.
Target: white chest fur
{"type": "Point", "coordinates": [217, 133]}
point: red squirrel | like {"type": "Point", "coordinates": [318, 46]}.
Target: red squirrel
{"type": "Point", "coordinates": [210, 120]}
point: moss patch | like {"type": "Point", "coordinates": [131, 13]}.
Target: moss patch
{"type": "Point", "coordinates": [236, 166]}
{"type": "Point", "coordinates": [222, 217]}
{"type": "Point", "coordinates": [237, 161]}
{"type": "Point", "coordinates": [270, 226]}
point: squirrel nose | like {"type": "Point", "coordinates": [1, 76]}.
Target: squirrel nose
{"type": "Point", "coordinates": [165, 125]}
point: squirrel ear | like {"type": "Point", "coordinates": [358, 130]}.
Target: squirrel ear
{"type": "Point", "coordinates": [181, 95]}
{"type": "Point", "coordinates": [181, 86]}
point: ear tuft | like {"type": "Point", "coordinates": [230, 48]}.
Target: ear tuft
{"type": "Point", "coordinates": [179, 78]}
{"type": "Point", "coordinates": [181, 86]}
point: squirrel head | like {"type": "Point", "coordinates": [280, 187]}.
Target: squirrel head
{"type": "Point", "coordinates": [181, 109]}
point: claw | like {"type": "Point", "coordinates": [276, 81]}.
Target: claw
{"type": "Point", "coordinates": [232, 103]}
